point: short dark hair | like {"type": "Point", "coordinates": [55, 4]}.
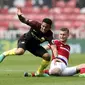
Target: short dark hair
{"type": "Point", "coordinates": [64, 29]}
{"type": "Point", "coordinates": [48, 21]}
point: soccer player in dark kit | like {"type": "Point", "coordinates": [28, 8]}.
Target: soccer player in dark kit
{"type": "Point", "coordinates": [38, 33]}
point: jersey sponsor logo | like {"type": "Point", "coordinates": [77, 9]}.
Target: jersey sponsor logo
{"type": "Point", "coordinates": [42, 39]}
{"type": "Point", "coordinates": [64, 49]}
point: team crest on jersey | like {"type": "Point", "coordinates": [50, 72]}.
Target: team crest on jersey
{"type": "Point", "coordinates": [42, 38]}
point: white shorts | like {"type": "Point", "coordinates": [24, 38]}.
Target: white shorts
{"type": "Point", "coordinates": [65, 71]}
{"type": "Point", "coordinates": [56, 65]}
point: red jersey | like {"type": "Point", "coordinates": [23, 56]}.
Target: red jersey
{"type": "Point", "coordinates": [63, 50]}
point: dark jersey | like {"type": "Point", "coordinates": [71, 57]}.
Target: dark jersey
{"type": "Point", "coordinates": [34, 35]}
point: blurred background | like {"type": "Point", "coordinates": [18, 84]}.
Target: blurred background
{"type": "Point", "coordinates": [64, 13]}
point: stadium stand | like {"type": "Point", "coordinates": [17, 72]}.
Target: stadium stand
{"type": "Point", "coordinates": [64, 14]}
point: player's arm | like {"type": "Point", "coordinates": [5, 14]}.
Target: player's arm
{"type": "Point", "coordinates": [52, 46]}
{"type": "Point", "coordinates": [20, 16]}
{"type": "Point", "coordinates": [54, 50]}
{"type": "Point", "coordinates": [29, 22]}
{"type": "Point", "coordinates": [47, 47]}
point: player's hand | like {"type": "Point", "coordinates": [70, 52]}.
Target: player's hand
{"type": "Point", "coordinates": [19, 12]}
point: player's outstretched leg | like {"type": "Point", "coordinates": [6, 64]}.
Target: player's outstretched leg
{"type": "Point", "coordinates": [43, 65]}
{"type": "Point", "coordinates": [10, 52]}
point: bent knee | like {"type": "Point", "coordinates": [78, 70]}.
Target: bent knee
{"type": "Point", "coordinates": [55, 71]}
{"type": "Point", "coordinates": [20, 51]}
{"type": "Point", "coordinates": [46, 56]}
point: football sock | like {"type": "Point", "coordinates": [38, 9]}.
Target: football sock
{"type": "Point", "coordinates": [82, 70]}
{"type": "Point", "coordinates": [10, 52]}
{"type": "Point", "coordinates": [43, 65]}
{"type": "Point", "coordinates": [46, 71]}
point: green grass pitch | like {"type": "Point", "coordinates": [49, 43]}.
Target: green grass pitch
{"type": "Point", "coordinates": [13, 68]}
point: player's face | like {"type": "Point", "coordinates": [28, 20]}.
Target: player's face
{"type": "Point", "coordinates": [63, 36]}
{"type": "Point", "coordinates": [45, 27]}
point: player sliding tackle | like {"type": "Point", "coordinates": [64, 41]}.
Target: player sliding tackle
{"type": "Point", "coordinates": [59, 63]}
{"type": "Point", "coordinates": [39, 33]}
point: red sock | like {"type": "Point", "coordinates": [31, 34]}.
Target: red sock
{"type": "Point", "coordinates": [33, 74]}
{"type": "Point", "coordinates": [82, 70]}
{"type": "Point", "coordinates": [46, 71]}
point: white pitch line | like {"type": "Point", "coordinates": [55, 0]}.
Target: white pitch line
{"type": "Point", "coordinates": [10, 70]}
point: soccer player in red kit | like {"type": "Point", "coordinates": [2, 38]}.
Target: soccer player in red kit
{"type": "Point", "coordinates": [59, 63]}
{"type": "Point", "coordinates": [38, 33]}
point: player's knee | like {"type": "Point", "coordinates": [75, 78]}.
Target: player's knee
{"type": "Point", "coordinates": [20, 51]}
{"type": "Point", "coordinates": [55, 71]}
{"type": "Point", "coordinates": [46, 56]}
